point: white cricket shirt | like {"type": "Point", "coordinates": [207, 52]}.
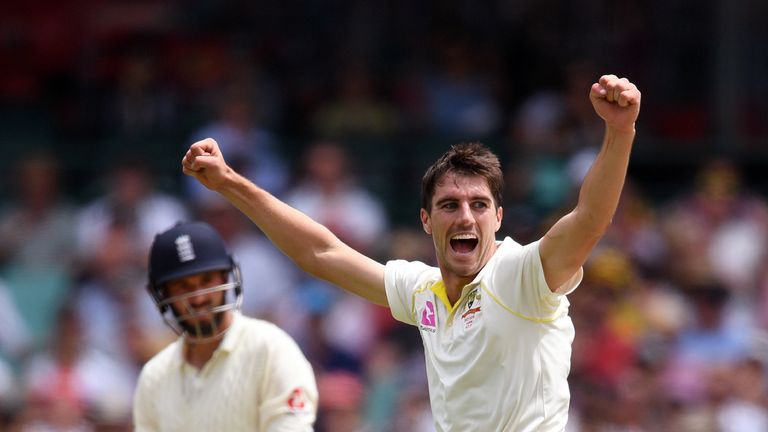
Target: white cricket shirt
{"type": "Point", "coordinates": [257, 380]}
{"type": "Point", "coordinates": [498, 360]}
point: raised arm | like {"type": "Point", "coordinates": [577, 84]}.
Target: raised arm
{"type": "Point", "coordinates": [567, 245]}
{"type": "Point", "coordinates": [309, 244]}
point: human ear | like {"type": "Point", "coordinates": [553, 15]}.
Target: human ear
{"type": "Point", "coordinates": [425, 221]}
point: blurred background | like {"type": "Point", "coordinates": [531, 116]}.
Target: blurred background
{"type": "Point", "coordinates": [338, 107]}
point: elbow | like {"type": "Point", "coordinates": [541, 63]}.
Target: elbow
{"type": "Point", "coordinates": [311, 262]}
{"type": "Point", "coordinates": [594, 225]}
{"type": "Point", "coordinates": [317, 260]}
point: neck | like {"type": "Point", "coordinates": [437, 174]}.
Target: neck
{"type": "Point", "coordinates": [198, 353]}
{"type": "Point", "coordinates": [453, 286]}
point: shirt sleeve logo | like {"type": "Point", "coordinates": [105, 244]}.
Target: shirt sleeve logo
{"type": "Point", "coordinates": [428, 319]}
{"type": "Point", "coordinates": [297, 401]}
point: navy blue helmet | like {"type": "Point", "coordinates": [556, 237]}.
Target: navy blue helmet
{"type": "Point", "coordinates": [185, 250]}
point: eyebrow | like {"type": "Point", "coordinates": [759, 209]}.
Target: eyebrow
{"type": "Point", "coordinates": [445, 200]}
{"type": "Point", "coordinates": [472, 198]}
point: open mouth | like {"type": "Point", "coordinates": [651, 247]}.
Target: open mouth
{"type": "Point", "coordinates": [463, 243]}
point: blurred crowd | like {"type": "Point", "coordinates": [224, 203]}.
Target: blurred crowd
{"type": "Point", "coordinates": [337, 107]}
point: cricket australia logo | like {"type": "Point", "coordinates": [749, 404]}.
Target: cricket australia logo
{"type": "Point", "coordinates": [471, 309]}
{"type": "Point", "coordinates": [184, 248]}
{"type": "Point", "coordinates": [428, 320]}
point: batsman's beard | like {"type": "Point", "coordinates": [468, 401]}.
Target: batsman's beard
{"type": "Point", "coordinates": [202, 331]}
{"type": "Point", "coordinates": [206, 322]}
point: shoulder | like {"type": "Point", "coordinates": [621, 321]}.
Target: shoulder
{"type": "Point", "coordinates": [415, 268]}
{"type": "Point", "coordinates": [412, 273]}
{"type": "Point", "coordinates": [160, 365]}
{"type": "Point", "coordinates": [511, 258]}
{"type": "Point", "coordinates": [250, 325]}
{"type": "Point", "coordinates": [262, 334]}
{"type": "Point", "coordinates": [508, 246]}
{"type": "Point", "coordinates": [509, 249]}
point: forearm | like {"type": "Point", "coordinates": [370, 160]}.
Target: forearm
{"type": "Point", "coordinates": [601, 188]}
{"type": "Point", "coordinates": [567, 245]}
{"type": "Point", "coordinates": [313, 247]}
{"type": "Point", "coordinates": [295, 234]}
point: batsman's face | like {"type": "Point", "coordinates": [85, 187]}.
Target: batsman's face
{"type": "Point", "coordinates": [193, 307]}
{"type": "Point", "coordinates": [463, 224]}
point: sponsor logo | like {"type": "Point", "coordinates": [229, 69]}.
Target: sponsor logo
{"type": "Point", "coordinates": [428, 319]}
{"type": "Point", "coordinates": [470, 312]}
{"type": "Point", "coordinates": [297, 401]}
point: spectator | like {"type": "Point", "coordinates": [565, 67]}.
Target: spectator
{"type": "Point", "coordinates": [36, 242]}
{"type": "Point", "coordinates": [15, 340]}
{"type": "Point", "coordinates": [355, 109]}
{"type": "Point", "coordinates": [459, 98]}
{"type": "Point", "coordinates": [132, 201]}
{"type": "Point", "coordinates": [328, 193]}
{"type": "Point", "coordinates": [342, 395]}
{"type": "Point", "coordinates": [712, 339]}
{"type": "Point", "coordinates": [71, 385]}
{"type": "Point", "coordinates": [713, 229]}
{"type": "Point", "coordinates": [253, 147]}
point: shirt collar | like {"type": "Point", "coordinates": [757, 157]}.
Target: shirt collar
{"type": "Point", "coordinates": [438, 287]}
{"type": "Point", "coordinates": [232, 336]}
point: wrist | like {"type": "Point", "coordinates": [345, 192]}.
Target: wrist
{"type": "Point", "coordinates": [229, 180]}
{"type": "Point", "coordinates": [620, 130]}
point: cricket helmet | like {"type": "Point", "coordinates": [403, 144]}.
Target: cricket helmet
{"type": "Point", "coordinates": [184, 250]}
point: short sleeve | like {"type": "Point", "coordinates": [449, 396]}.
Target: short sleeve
{"type": "Point", "coordinates": [289, 400]}
{"type": "Point", "coordinates": [401, 279]}
{"type": "Point", "coordinates": [143, 408]}
{"type": "Point", "coordinates": [518, 282]}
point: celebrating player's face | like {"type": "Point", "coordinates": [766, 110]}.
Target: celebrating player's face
{"type": "Point", "coordinates": [193, 308]}
{"type": "Point", "coordinates": [463, 224]}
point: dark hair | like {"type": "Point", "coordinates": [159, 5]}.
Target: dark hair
{"type": "Point", "coordinates": [466, 159]}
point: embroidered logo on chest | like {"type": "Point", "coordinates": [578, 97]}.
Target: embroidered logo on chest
{"type": "Point", "coordinates": [471, 309]}
{"type": "Point", "coordinates": [428, 321]}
